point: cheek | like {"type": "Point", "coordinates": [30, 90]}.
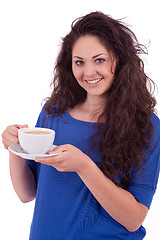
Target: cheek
{"type": "Point", "coordinates": [74, 71]}
{"type": "Point", "coordinates": [77, 73]}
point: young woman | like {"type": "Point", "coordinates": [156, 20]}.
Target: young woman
{"type": "Point", "coordinates": [102, 184]}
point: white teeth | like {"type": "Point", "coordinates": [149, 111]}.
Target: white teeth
{"type": "Point", "coordinates": [94, 81]}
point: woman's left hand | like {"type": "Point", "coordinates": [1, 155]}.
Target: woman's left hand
{"type": "Point", "coordinates": [71, 159]}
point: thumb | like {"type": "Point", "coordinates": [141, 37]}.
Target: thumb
{"type": "Point", "coordinates": [58, 149]}
{"type": "Point", "coordinates": [22, 126]}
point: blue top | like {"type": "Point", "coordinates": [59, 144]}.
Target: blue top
{"type": "Point", "coordinates": [64, 208]}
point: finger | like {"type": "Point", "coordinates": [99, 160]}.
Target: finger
{"type": "Point", "coordinates": [58, 149]}
{"type": "Point", "coordinates": [7, 144]}
{"type": "Point", "coordinates": [14, 128]}
{"type": "Point", "coordinates": [47, 160]}
{"type": "Point", "coordinates": [50, 160]}
{"type": "Point", "coordinates": [11, 139]}
{"type": "Point", "coordinates": [10, 135]}
{"type": "Point", "coordinates": [8, 138]}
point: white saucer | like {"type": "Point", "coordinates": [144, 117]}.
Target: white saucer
{"type": "Point", "coordinates": [16, 149]}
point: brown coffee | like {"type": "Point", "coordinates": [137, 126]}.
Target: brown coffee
{"type": "Point", "coordinates": [37, 132]}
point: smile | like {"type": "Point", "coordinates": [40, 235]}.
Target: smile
{"type": "Point", "coordinates": [93, 81]}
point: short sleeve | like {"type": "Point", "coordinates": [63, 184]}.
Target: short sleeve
{"type": "Point", "coordinates": [144, 183]}
{"type": "Point", "coordinates": [42, 118]}
{"type": "Point", "coordinates": [32, 164]}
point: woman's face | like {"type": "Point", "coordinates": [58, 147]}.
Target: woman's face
{"type": "Point", "coordinates": [93, 65]}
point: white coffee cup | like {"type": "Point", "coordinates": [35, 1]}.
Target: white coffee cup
{"type": "Point", "coordinates": [36, 140]}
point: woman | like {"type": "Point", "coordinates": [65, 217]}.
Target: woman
{"type": "Point", "coordinates": [102, 184]}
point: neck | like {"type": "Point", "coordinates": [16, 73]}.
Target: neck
{"type": "Point", "coordinates": [90, 110]}
{"type": "Point", "coordinates": [95, 103]}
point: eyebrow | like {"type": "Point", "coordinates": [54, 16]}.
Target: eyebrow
{"type": "Point", "coordinates": [92, 57]}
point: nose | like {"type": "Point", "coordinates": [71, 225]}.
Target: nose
{"type": "Point", "coordinates": [89, 71]}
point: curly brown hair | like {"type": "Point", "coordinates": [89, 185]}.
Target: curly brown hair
{"type": "Point", "coordinates": [128, 131]}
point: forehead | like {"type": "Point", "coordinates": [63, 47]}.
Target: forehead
{"type": "Point", "coordinates": [89, 46]}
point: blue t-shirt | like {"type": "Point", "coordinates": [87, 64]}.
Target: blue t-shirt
{"type": "Point", "coordinates": [64, 208]}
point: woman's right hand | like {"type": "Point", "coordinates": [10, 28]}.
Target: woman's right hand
{"type": "Point", "coordinates": [10, 135]}
{"type": "Point", "coordinates": [22, 178]}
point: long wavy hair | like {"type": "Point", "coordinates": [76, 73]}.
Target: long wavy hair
{"type": "Point", "coordinates": [127, 131]}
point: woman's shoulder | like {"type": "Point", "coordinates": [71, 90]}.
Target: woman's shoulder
{"type": "Point", "coordinates": [44, 115]}
{"type": "Point", "coordinates": [47, 111]}
{"type": "Point", "coordinates": [155, 121]}
{"type": "Point", "coordinates": [156, 124]}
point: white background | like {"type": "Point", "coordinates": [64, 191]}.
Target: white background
{"type": "Point", "coordinates": [30, 33]}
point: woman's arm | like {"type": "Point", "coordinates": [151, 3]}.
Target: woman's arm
{"type": "Point", "coordinates": [119, 203]}
{"type": "Point", "coordinates": [22, 178]}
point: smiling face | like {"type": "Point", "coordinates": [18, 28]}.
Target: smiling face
{"type": "Point", "coordinates": [92, 65]}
